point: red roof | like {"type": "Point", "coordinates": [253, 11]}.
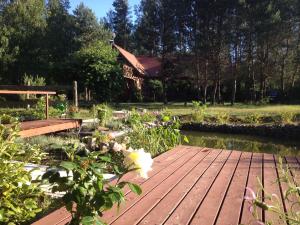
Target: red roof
{"type": "Point", "coordinates": [148, 66]}
{"type": "Point", "coordinates": [152, 65]}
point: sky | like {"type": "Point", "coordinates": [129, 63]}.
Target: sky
{"type": "Point", "coordinates": [101, 7]}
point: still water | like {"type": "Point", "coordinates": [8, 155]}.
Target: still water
{"type": "Point", "coordinates": [243, 143]}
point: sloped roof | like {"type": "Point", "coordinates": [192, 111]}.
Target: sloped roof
{"type": "Point", "coordinates": [152, 65]}
{"type": "Point", "coordinates": [148, 66]}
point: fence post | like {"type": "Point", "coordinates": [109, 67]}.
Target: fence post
{"type": "Point", "coordinates": [47, 106]}
{"type": "Point", "coordinates": [75, 94]}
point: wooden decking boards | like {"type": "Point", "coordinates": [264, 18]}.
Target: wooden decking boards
{"type": "Point", "coordinates": [39, 127]}
{"type": "Point", "coordinates": [193, 185]}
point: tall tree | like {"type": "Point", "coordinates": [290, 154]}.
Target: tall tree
{"type": "Point", "coordinates": [60, 41]}
{"type": "Point", "coordinates": [22, 27]}
{"type": "Point", "coordinates": [147, 29]}
{"type": "Point", "coordinates": [121, 23]}
{"type": "Point", "coordinates": [87, 27]}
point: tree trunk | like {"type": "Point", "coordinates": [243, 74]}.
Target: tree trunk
{"type": "Point", "coordinates": [205, 83]}
{"type": "Point", "coordinates": [213, 101]}
{"type": "Point", "coordinates": [234, 72]}
{"type": "Point", "coordinates": [282, 72]}
{"type": "Point", "coordinates": [219, 87]}
{"type": "Point", "coordinates": [164, 84]}
{"type": "Point", "coordinates": [198, 77]}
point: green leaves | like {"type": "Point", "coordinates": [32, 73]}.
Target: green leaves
{"type": "Point", "coordinates": [86, 188]}
{"type": "Point", "coordinates": [69, 165]}
{"type": "Point", "coordinates": [185, 139]}
{"type": "Point", "coordinates": [20, 198]}
{"type": "Point", "coordinates": [98, 67]}
{"type": "Point", "coordinates": [135, 188]}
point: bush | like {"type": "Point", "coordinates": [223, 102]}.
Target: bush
{"type": "Point", "coordinates": [97, 66]}
{"type": "Point", "coordinates": [155, 88]}
{"type": "Point", "coordinates": [222, 118]}
{"type": "Point", "coordinates": [287, 117]}
{"type": "Point", "coordinates": [7, 119]}
{"type": "Point", "coordinates": [143, 117]}
{"type": "Point", "coordinates": [198, 113]}
{"type": "Point", "coordinates": [20, 198]}
{"type": "Point", "coordinates": [157, 139]}
{"type": "Point", "coordinates": [88, 194]}
{"type": "Point", "coordinates": [103, 112]}
{"type": "Point", "coordinates": [253, 118]}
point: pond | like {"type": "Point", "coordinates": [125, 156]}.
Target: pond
{"type": "Point", "coordinates": [243, 143]}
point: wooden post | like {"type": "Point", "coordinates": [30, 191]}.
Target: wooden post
{"type": "Point", "coordinates": [27, 96]}
{"type": "Point", "coordinates": [47, 106]}
{"type": "Point", "coordinates": [75, 94]}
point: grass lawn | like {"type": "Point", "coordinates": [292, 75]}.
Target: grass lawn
{"type": "Point", "coordinates": [237, 110]}
{"type": "Point", "coordinates": [180, 109]}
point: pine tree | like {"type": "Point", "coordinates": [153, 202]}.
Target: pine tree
{"type": "Point", "coordinates": [147, 31]}
{"type": "Point", "coordinates": [60, 41]}
{"type": "Point", "coordinates": [121, 23]}
{"type": "Point", "coordinates": [87, 27]}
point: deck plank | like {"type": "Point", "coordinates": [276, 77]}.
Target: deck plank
{"type": "Point", "coordinates": [294, 167]}
{"type": "Point", "coordinates": [271, 186]}
{"type": "Point", "coordinates": [255, 173]}
{"type": "Point", "coordinates": [232, 206]}
{"type": "Point", "coordinates": [148, 185]}
{"type": "Point", "coordinates": [184, 212]}
{"type": "Point", "coordinates": [167, 205]}
{"type": "Point", "coordinates": [142, 207]}
{"type": "Point", "coordinates": [159, 163]}
{"type": "Point", "coordinates": [217, 192]}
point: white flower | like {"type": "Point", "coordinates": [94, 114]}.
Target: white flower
{"type": "Point", "coordinates": [118, 147]}
{"type": "Point", "coordinates": [140, 160]}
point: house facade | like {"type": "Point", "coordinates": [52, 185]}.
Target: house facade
{"type": "Point", "coordinates": [137, 69]}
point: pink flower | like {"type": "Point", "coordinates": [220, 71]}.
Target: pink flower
{"type": "Point", "coordinates": [251, 196]}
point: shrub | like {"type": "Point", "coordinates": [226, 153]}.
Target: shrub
{"type": "Point", "coordinates": [21, 115]}
{"type": "Point", "coordinates": [20, 198]}
{"type": "Point", "coordinates": [198, 113]}
{"type": "Point", "coordinates": [88, 194]}
{"type": "Point", "coordinates": [72, 109]}
{"type": "Point", "coordinates": [97, 66]}
{"type": "Point", "coordinates": [155, 140]}
{"type": "Point", "coordinates": [137, 118]}
{"type": "Point", "coordinates": [155, 87]}
{"type": "Point", "coordinates": [7, 119]}
{"type": "Point", "coordinates": [253, 118]}
{"type": "Point", "coordinates": [287, 117]}
{"type": "Point", "coordinates": [222, 118]}
{"type": "Point", "coordinates": [103, 112]}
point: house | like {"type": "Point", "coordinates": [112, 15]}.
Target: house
{"type": "Point", "coordinates": [137, 69]}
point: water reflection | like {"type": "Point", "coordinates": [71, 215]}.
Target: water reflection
{"type": "Point", "coordinates": [243, 143]}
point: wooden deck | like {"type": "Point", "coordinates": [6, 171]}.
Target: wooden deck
{"type": "Point", "coordinates": [39, 127]}
{"type": "Point", "coordinates": [192, 185]}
